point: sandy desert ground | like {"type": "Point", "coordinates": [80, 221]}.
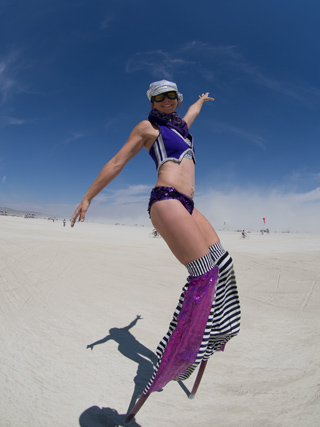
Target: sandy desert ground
{"type": "Point", "coordinates": [63, 289]}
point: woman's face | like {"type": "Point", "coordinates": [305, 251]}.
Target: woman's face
{"type": "Point", "coordinates": [166, 106]}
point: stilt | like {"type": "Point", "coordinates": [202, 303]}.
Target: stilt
{"type": "Point", "coordinates": [136, 407]}
{"type": "Point", "coordinates": [203, 365]}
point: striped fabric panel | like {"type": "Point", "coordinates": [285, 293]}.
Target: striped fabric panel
{"type": "Point", "coordinates": [223, 321]}
{"type": "Point", "coordinates": [195, 268]}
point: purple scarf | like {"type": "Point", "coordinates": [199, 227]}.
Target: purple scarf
{"type": "Point", "coordinates": [172, 120]}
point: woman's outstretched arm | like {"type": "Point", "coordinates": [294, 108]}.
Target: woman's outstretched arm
{"type": "Point", "coordinates": [131, 148]}
{"type": "Point", "coordinates": [195, 108]}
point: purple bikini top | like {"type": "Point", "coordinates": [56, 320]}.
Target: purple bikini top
{"type": "Point", "coordinates": [170, 145]}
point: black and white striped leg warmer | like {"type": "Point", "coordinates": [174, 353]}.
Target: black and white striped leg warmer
{"type": "Point", "coordinates": [200, 266]}
{"type": "Point", "coordinates": [224, 319]}
{"type": "Point", "coordinates": [195, 268]}
{"type": "Point", "coordinates": [226, 305]}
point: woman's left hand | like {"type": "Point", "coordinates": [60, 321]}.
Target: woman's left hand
{"type": "Point", "coordinates": [205, 97]}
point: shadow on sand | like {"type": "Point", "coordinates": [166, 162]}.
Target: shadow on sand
{"type": "Point", "coordinates": [104, 417]}
{"type": "Point", "coordinates": [138, 353]}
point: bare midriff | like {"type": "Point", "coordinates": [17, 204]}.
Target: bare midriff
{"type": "Point", "coordinates": [180, 176]}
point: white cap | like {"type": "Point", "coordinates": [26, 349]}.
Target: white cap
{"type": "Point", "coordinates": [163, 86]}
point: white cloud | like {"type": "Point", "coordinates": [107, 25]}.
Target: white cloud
{"type": "Point", "coordinates": [74, 136]}
{"type": "Point", "coordinates": [107, 20]}
{"type": "Point", "coordinates": [240, 133]}
{"type": "Point", "coordinates": [236, 209]}
{"type": "Point", "coordinates": [296, 212]}
{"type": "Point", "coordinates": [245, 209]}
{"type": "Point", "coordinates": [126, 206]}
{"type": "Point", "coordinates": [4, 179]}
{"type": "Point", "coordinates": [8, 71]}
{"type": "Point", "coordinates": [12, 121]}
{"type": "Point", "coordinates": [215, 62]}
{"type": "Point", "coordinates": [316, 177]}
{"type": "Point", "coordinates": [157, 63]}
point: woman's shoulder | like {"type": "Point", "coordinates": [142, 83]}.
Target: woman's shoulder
{"type": "Point", "coordinates": [146, 128]}
{"type": "Point", "coordinates": [144, 124]}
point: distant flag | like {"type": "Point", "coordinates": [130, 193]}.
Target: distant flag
{"type": "Point", "coordinates": [264, 220]}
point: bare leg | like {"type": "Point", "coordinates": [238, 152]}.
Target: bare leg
{"type": "Point", "coordinates": [180, 230]}
{"type": "Point", "coordinates": [206, 228]}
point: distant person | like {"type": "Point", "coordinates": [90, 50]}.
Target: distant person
{"type": "Point", "coordinates": [208, 312]}
{"type": "Point", "coordinates": [64, 222]}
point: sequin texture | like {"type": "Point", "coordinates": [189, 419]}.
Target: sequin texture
{"type": "Point", "coordinates": [165, 193]}
{"type": "Point", "coordinates": [184, 343]}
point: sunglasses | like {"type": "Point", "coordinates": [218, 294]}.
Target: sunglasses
{"type": "Point", "coordinates": [162, 96]}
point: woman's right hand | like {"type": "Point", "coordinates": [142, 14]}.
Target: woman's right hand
{"type": "Point", "coordinates": [80, 212]}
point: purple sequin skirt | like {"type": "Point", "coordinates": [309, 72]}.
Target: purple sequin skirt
{"type": "Point", "coordinates": [164, 193]}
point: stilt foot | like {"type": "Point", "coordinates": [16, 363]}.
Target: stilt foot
{"type": "Point", "coordinates": [203, 365]}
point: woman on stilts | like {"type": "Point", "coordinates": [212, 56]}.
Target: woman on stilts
{"type": "Point", "coordinates": [208, 312]}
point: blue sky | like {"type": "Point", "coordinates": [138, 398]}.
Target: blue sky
{"type": "Point", "coordinates": [73, 82]}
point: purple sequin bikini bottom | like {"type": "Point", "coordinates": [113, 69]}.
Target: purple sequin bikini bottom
{"type": "Point", "coordinates": [164, 193]}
